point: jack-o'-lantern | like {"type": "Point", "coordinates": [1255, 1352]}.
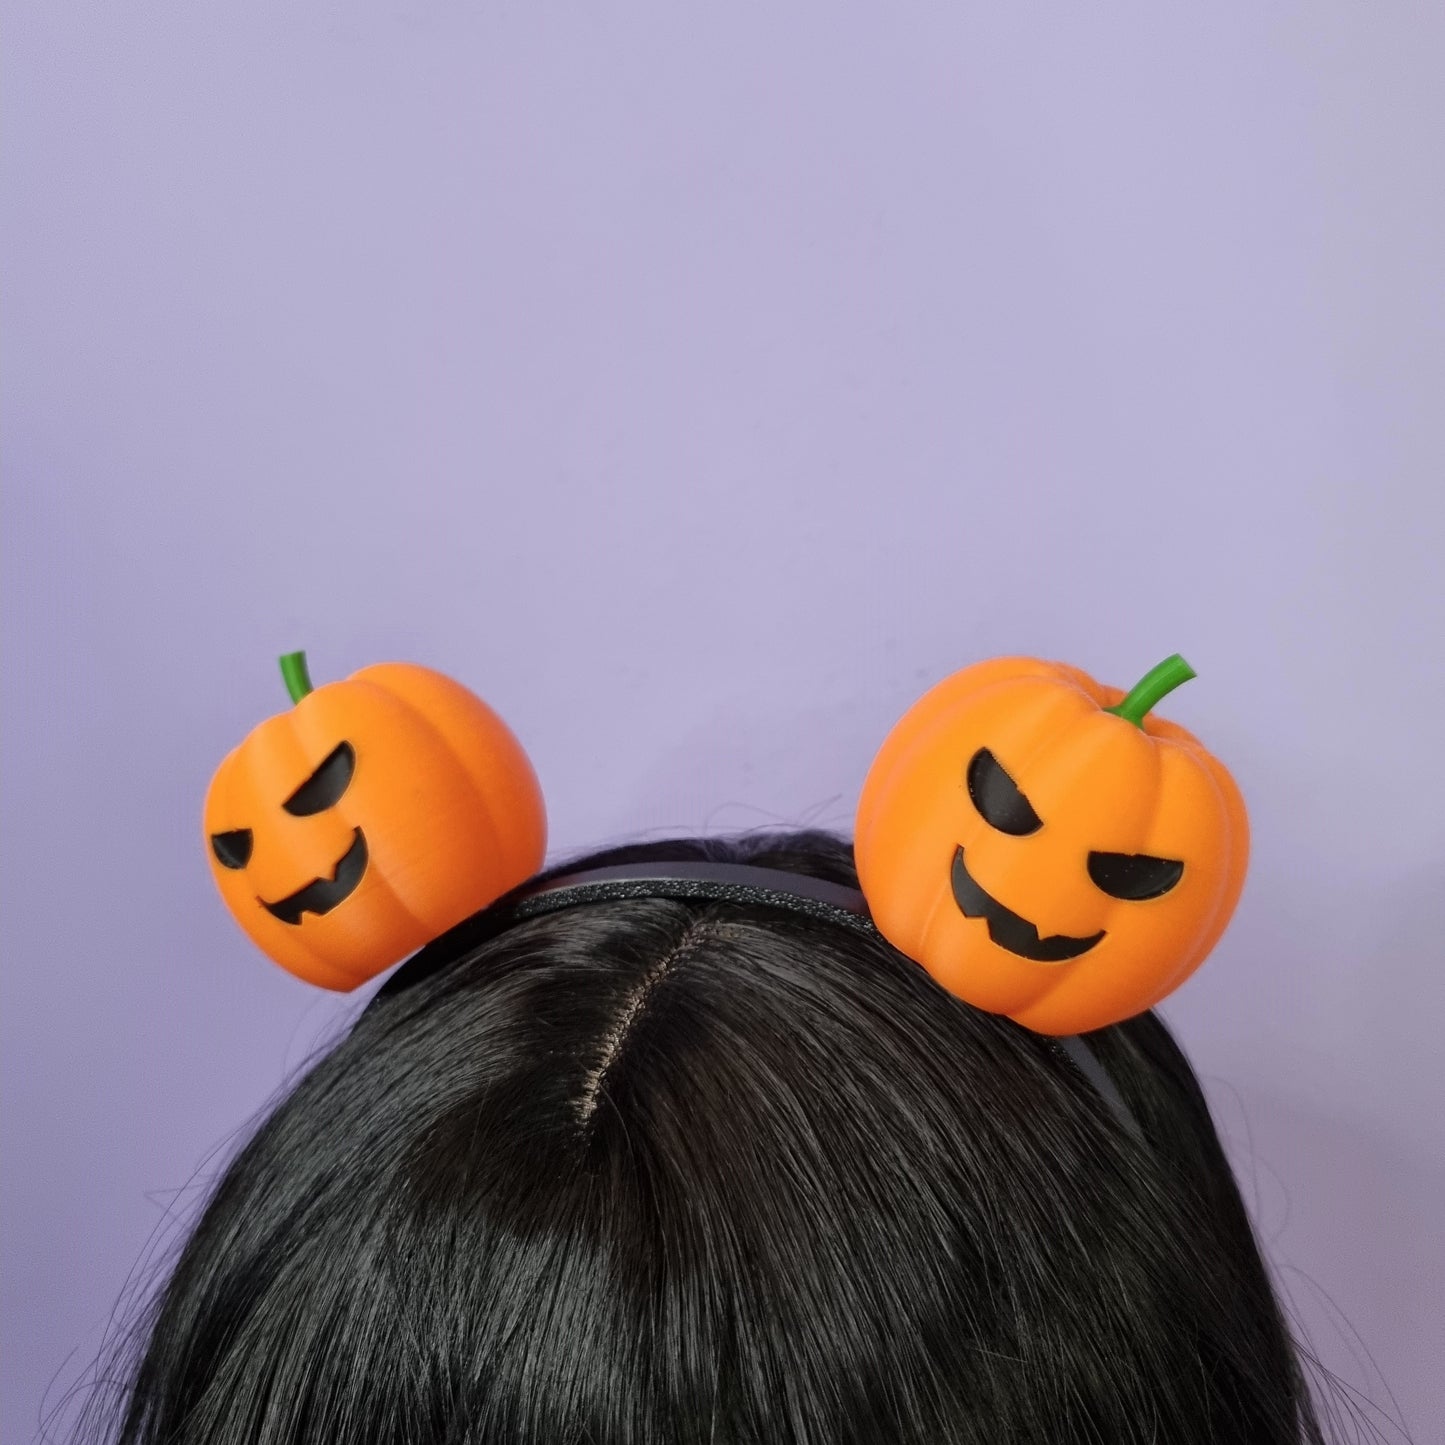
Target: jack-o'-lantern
{"type": "Point", "coordinates": [375, 814]}
{"type": "Point", "coordinates": [1046, 847]}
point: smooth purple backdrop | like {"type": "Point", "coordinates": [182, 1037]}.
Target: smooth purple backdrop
{"type": "Point", "coordinates": [699, 387]}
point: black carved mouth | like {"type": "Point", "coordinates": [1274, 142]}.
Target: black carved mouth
{"type": "Point", "coordinates": [1005, 926]}
{"type": "Point", "coordinates": [323, 894]}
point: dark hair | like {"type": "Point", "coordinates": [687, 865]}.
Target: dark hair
{"type": "Point", "coordinates": [652, 1171]}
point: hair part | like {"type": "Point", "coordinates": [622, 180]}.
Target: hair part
{"type": "Point", "coordinates": [616, 1037]}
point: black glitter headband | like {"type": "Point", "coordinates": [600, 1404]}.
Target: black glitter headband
{"type": "Point", "coordinates": [697, 881]}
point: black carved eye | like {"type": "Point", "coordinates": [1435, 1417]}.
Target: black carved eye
{"type": "Point", "coordinates": [997, 797]}
{"type": "Point", "coordinates": [1134, 876]}
{"type": "Point", "coordinates": [323, 789]}
{"type": "Point", "coordinates": [233, 849]}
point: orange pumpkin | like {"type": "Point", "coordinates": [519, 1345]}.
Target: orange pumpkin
{"type": "Point", "coordinates": [375, 814]}
{"type": "Point", "coordinates": [1046, 847]}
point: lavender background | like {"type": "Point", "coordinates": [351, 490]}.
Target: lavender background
{"type": "Point", "coordinates": [699, 384]}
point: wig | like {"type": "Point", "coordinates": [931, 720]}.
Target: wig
{"type": "Point", "coordinates": [649, 1172]}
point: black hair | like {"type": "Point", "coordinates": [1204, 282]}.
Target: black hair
{"type": "Point", "coordinates": [651, 1172]}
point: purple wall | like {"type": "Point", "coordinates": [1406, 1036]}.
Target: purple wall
{"type": "Point", "coordinates": [699, 391]}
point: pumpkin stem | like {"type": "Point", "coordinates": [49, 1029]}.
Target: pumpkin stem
{"type": "Point", "coordinates": [298, 680]}
{"type": "Point", "coordinates": [1155, 684]}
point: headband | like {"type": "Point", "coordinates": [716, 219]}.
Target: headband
{"type": "Point", "coordinates": [687, 881]}
{"type": "Point", "coordinates": [1045, 846]}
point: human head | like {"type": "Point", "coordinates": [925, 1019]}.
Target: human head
{"type": "Point", "coordinates": [654, 1171]}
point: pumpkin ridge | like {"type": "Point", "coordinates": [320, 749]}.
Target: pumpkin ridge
{"type": "Point", "coordinates": [515, 860]}
{"type": "Point", "coordinates": [419, 720]}
{"type": "Point", "coordinates": [1225, 895]}
{"type": "Point", "coordinates": [1044, 733]}
{"type": "Point", "coordinates": [218, 797]}
{"type": "Point", "coordinates": [250, 765]}
{"type": "Point", "coordinates": [504, 841]}
{"type": "Point", "coordinates": [267, 752]}
{"type": "Point", "coordinates": [933, 712]}
{"type": "Point", "coordinates": [479, 804]}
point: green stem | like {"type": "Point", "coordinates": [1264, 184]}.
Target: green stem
{"type": "Point", "coordinates": [1155, 684]}
{"type": "Point", "coordinates": [298, 680]}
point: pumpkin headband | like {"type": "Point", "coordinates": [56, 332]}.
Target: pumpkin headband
{"type": "Point", "coordinates": [1044, 846]}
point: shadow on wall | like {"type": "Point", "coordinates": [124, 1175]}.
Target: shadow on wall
{"type": "Point", "coordinates": [1395, 999]}
{"type": "Point", "coordinates": [742, 771]}
{"type": "Point", "coordinates": [1369, 1220]}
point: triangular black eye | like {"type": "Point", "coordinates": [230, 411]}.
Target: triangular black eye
{"type": "Point", "coordinates": [233, 849]}
{"type": "Point", "coordinates": [1134, 876]}
{"type": "Point", "coordinates": [323, 789]}
{"type": "Point", "coordinates": [997, 797]}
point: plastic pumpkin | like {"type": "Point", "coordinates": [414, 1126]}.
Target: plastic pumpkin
{"type": "Point", "coordinates": [375, 814]}
{"type": "Point", "coordinates": [1046, 847]}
